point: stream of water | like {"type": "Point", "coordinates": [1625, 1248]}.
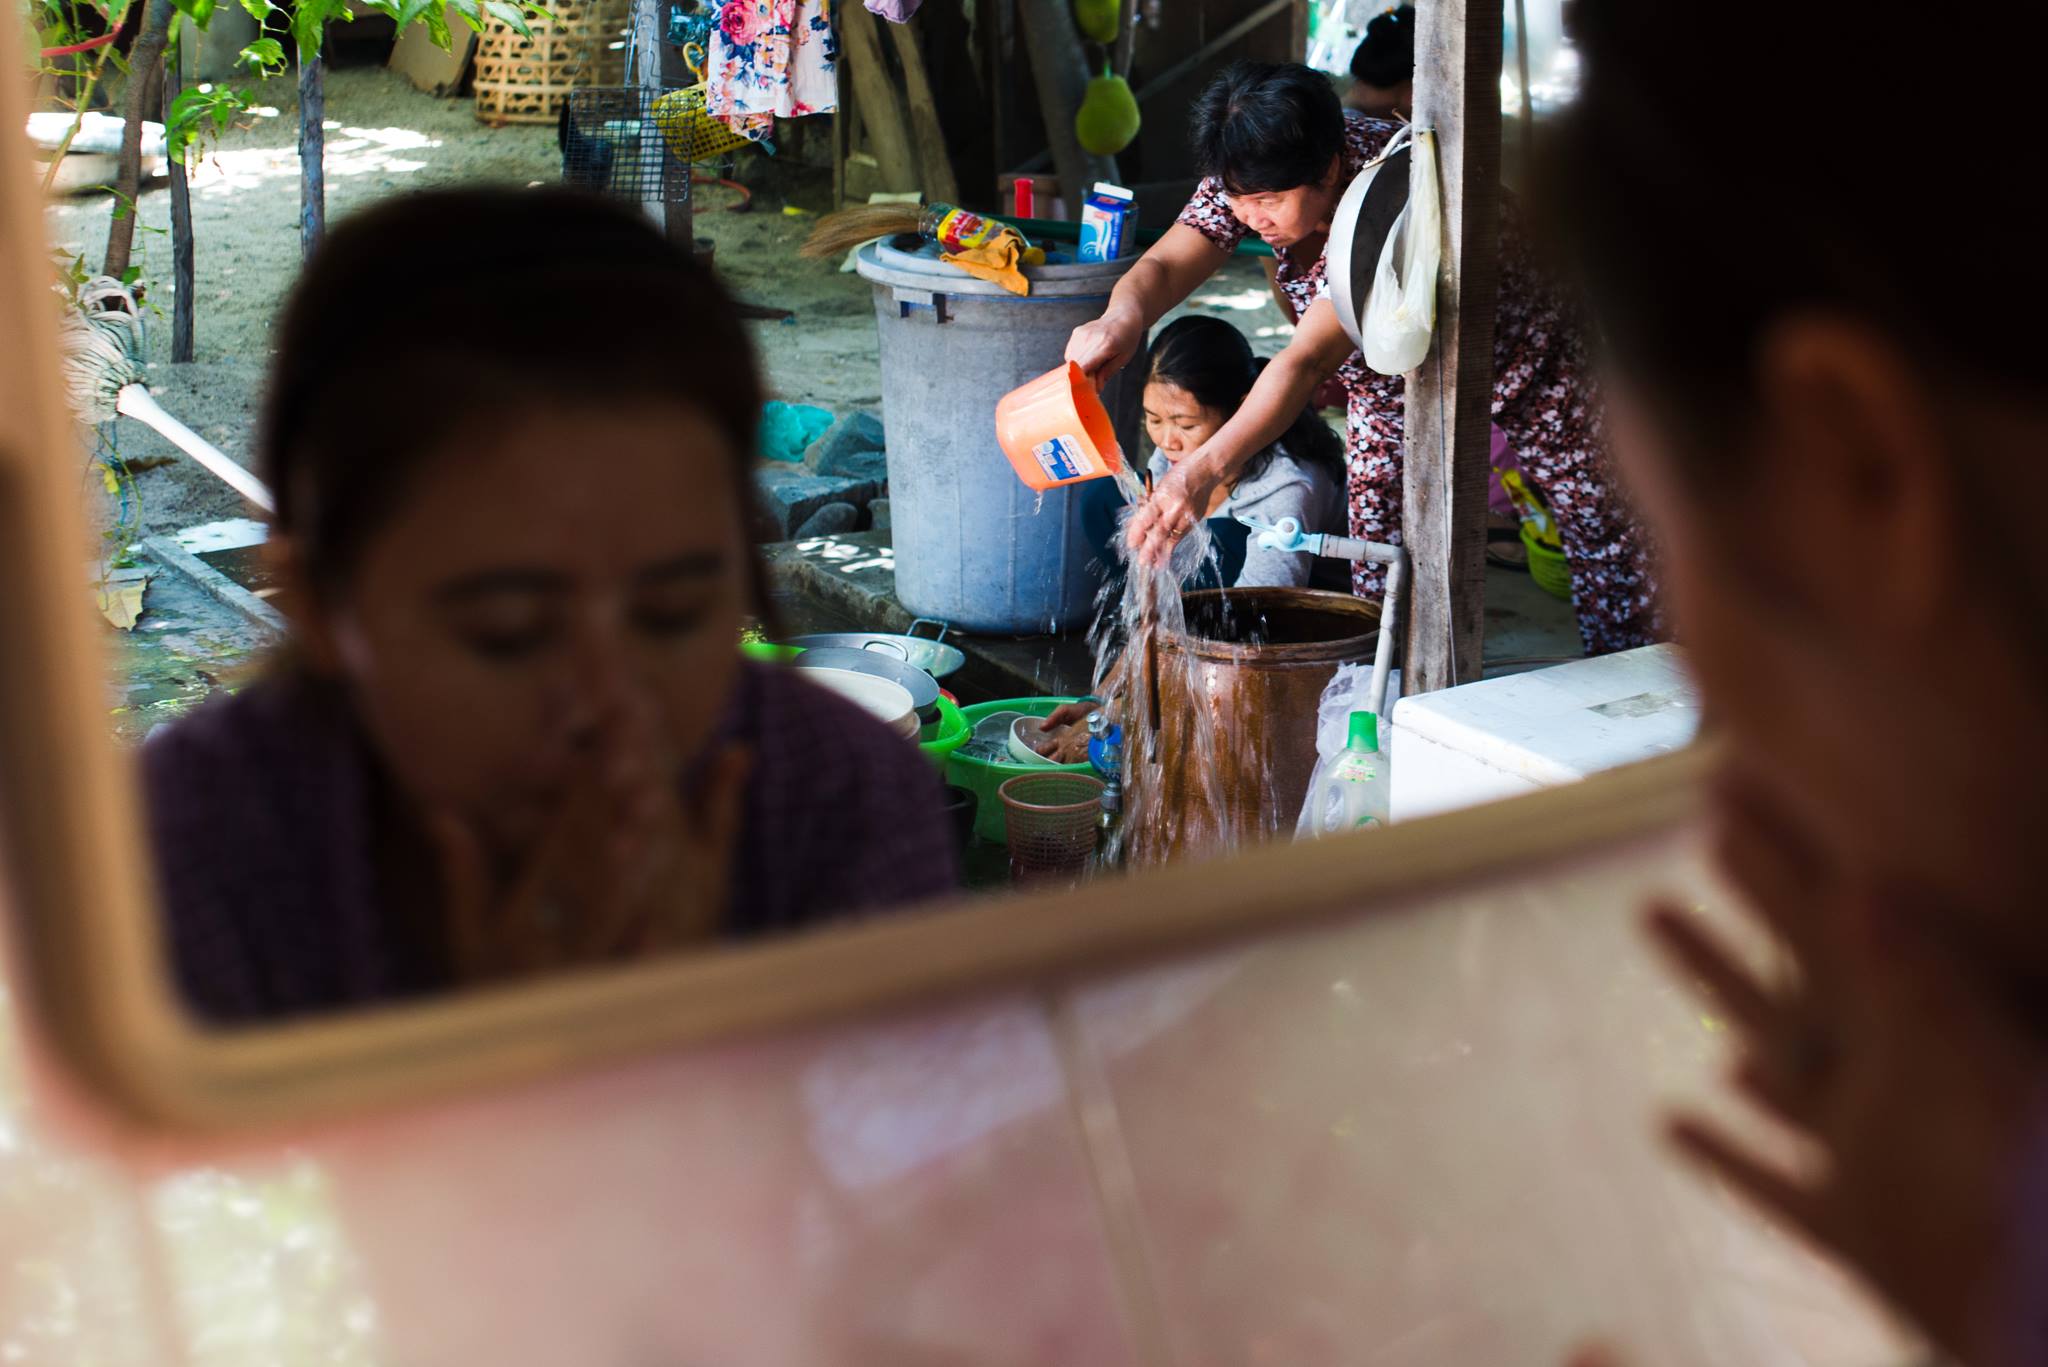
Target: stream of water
{"type": "Point", "coordinates": [1173, 805]}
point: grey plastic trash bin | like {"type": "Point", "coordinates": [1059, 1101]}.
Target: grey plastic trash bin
{"type": "Point", "coordinates": [974, 546]}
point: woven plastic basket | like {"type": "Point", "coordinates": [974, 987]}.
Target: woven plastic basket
{"type": "Point", "coordinates": [691, 134]}
{"type": "Point", "coordinates": [526, 80]}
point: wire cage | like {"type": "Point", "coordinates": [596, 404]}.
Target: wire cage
{"type": "Point", "coordinates": [613, 144]}
{"type": "Point", "coordinates": [621, 142]}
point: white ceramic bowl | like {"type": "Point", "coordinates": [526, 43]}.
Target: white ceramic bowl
{"type": "Point", "coordinates": [886, 701]}
{"type": "Point", "coordinates": [1021, 749]}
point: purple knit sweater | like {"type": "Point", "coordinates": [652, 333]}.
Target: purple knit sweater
{"type": "Point", "coordinates": [261, 812]}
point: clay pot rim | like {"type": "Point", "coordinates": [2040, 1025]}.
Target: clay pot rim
{"type": "Point", "coordinates": [1343, 649]}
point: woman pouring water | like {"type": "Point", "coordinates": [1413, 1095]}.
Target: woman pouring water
{"type": "Point", "coordinates": [1277, 151]}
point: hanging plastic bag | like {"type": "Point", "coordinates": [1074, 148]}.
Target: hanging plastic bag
{"type": "Point", "coordinates": [1401, 314]}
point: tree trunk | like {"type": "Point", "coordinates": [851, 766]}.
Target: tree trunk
{"type": "Point", "coordinates": [143, 61]}
{"type": "Point", "coordinates": [312, 154]}
{"type": "Point", "coordinates": [182, 301]}
{"type": "Point", "coordinates": [1059, 68]}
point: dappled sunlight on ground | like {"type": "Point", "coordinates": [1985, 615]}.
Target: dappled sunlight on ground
{"type": "Point", "coordinates": [847, 557]}
{"type": "Point", "coordinates": [350, 152]}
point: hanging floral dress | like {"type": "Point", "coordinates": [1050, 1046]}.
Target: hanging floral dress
{"type": "Point", "coordinates": [769, 60]}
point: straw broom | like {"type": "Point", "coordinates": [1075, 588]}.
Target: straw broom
{"type": "Point", "coordinates": [839, 233]}
{"type": "Point", "coordinates": [103, 377]}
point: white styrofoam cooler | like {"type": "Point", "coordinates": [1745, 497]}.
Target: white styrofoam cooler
{"type": "Point", "coordinates": [1503, 737]}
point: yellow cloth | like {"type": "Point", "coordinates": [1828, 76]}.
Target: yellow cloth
{"type": "Point", "coordinates": [1001, 260]}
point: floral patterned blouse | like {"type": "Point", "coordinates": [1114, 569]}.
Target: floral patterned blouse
{"type": "Point", "coordinates": [771, 59]}
{"type": "Point", "coordinates": [1543, 400]}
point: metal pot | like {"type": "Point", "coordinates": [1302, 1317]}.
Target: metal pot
{"type": "Point", "coordinates": [922, 687]}
{"type": "Point", "coordinates": [930, 655]}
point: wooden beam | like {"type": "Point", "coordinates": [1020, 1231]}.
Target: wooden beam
{"type": "Point", "coordinates": [933, 163]}
{"type": "Point", "coordinates": [1450, 396]}
{"type": "Point", "coordinates": [881, 106]}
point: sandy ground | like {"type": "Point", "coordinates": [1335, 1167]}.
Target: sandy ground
{"type": "Point", "coordinates": [384, 137]}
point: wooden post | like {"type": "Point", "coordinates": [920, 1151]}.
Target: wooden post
{"type": "Point", "coordinates": [181, 219]}
{"type": "Point", "coordinates": [1059, 68]}
{"type": "Point", "coordinates": [312, 153]}
{"type": "Point", "coordinates": [1450, 396]}
{"type": "Point", "coordinates": [881, 107]}
{"type": "Point", "coordinates": [935, 167]}
{"type": "Point", "coordinates": [678, 210]}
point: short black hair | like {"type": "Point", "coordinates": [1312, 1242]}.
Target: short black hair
{"type": "Point", "coordinates": [1385, 56]}
{"type": "Point", "coordinates": [429, 312]}
{"type": "Point", "coordinates": [1690, 240]}
{"type": "Point", "coordinates": [1265, 126]}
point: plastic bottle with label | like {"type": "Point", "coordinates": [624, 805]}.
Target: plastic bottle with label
{"type": "Point", "coordinates": [1354, 792]}
{"type": "Point", "coordinates": [958, 230]}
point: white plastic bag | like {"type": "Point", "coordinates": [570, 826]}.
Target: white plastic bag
{"type": "Point", "coordinates": [1401, 314]}
{"type": "Point", "coordinates": [1350, 690]}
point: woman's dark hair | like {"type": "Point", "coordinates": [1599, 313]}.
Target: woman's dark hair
{"type": "Point", "coordinates": [1385, 56]}
{"type": "Point", "coordinates": [430, 313]}
{"type": "Point", "coordinates": [1214, 363]}
{"type": "Point", "coordinates": [1692, 231]}
{"type": "Point", "coordinates": [1263, 127]}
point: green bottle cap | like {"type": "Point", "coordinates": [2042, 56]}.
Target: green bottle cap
{"type": "Point", "coordinates": [1365, 731]}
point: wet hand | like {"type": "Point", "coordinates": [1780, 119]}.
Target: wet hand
{"type": "Point", "coordinates": [1067, 713]}
{"type": "Point", "coordinates": [1105, 346]}
{"type": "Point", "coordinates": [1179, 500]}
{"type": "Point", "coordinates": [626, 867]}
{"type": "Point", "coordinates": [1069, 725]}
{"type": "Point", "coordinates": [1909, 1075]}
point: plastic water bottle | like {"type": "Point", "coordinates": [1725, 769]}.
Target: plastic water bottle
{"type": "Point", "coordinates": [1353, 793]}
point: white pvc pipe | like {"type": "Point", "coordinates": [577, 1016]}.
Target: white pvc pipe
{"type": "Point", "coordinates": [1396, 561]}
{"type": "Point", "coordinates": [134, 401]}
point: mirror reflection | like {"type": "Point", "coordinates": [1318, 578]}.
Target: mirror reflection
{"type": "Point", "coordinates": [569, 637]}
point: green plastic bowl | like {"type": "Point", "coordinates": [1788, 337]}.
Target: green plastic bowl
{"type": "Point", "coordinates": [982, 777]}
{"type": "Point", "coordinates": [945, 735]}
{"type": "Point", "coordinates": [767, 652]}
{"type": "Point", "coordinates": [1547, 567]}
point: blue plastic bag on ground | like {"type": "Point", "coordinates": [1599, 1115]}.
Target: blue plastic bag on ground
{"type": "Point", "coordinates": [788, 429]}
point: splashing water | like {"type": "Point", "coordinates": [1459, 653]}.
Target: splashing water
{"type": "Point", "coordinates": [1138, 613]}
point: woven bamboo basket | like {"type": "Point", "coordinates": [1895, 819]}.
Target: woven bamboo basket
{"type": "Point", "coordinates": [526, 80]}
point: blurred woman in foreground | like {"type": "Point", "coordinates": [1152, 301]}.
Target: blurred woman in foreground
{"type": "Point", "coordinates": [1826, 423]}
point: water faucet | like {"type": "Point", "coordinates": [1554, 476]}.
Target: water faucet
{"type": "Point", "coordinates": [1287, 537]}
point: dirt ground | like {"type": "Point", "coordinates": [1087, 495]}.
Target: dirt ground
{"type": "Point", "coordinates": [383, 138]}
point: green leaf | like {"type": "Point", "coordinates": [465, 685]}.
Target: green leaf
{"type": "Point", "coordinates": [200, 12]}
{"type": "Point", "coordinates": [437, 26]}
{"type": "Point", "coordinates": [260, 11]}
{"type": "Point", "coordinates": [410, 12]}
{"type": "Point", "coordinates": [468, 12]}
{"type": "Point", "coordinates": [308, 28]}
{"type": "Point", "coordinates": [131, 275]}
{"type": "Point", "coordinates": [510, 16]}
{"type": "Point", "coordinates": [265, 57]}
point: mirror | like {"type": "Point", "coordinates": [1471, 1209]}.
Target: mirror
{"type": "Point", "coordinates": [490, 638]}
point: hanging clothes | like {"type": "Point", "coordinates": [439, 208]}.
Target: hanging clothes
{"type": "Point", "coordinates": [895, 11]}
{"type": "Point", "coordinates": [771, 59]}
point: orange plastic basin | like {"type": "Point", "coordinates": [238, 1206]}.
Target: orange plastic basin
{"type": "Point", "coordinates": [1055, 430]}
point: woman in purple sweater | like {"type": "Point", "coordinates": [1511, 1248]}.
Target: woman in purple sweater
{"type": "Point", "coordinates": [511, 731]}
